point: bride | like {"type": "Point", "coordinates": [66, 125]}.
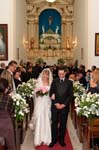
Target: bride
{"type": "Point", "coordinates": [42, 113]}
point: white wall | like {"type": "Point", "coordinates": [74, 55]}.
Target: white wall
{"type": "Point", "coordinates": [6, 17]}
{"type": "Point", "coordinates": [93, 27]}
{"type": "Point", "coordinates": [12, 12]}
{"type": "Point", "coordinates": [81, 31]}
{"type": "Point", "coordinates": [85, 26]}
{"type": "Point", "coordinates": [21, 28]}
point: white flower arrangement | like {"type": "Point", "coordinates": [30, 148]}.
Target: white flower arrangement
{"type": "Point", "coordinates": [78, 88]}
{"type": "Point", "coordinates": [32, 82]}
{"type": "Point", "coordinates": [26, 89]}
{"type": "Point", "coordinates": [21, 107]}
{"type": "Point", "coordinates": [87, 105]}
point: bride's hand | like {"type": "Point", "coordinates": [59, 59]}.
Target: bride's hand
{"type": "Point", "coordinates": [53, 97]}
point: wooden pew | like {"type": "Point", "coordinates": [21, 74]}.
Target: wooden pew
{"type": "Point", "coordinates": [89, 133]}
{"type": "Point", "coordinates": [73, 114]}
{"type": "Point", "coordinates": [2, 143]}
{"type": "Point", "coordinates": [1, 147]}
{"type": "Point", "coordinates": [80, 121]}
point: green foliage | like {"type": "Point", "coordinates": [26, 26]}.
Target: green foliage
{"type": "Point", "coordinates": [39, 61]}
{"type": "Point", "coordinates": [60, 61]}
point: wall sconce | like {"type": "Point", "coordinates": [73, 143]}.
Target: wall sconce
{"type": "Point", "coordinates": [74, 43]}
{"type": "Point", "coordinates": [26, 44]}
{"type": "Point", "coordinates": [70, 44]}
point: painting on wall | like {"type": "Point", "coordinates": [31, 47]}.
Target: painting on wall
{"type": "Point", "coordinates": [3, 42]}
{"type": "Point", "coordinates": [96, 44]}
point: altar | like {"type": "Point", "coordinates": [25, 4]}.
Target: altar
{"type": "Point", "coordinates": [50, 56]}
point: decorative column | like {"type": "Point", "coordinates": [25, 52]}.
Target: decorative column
{"type": "Point", "coordinates": [63, 46]}
{"type": "Point", "coordinates": [36, 34]}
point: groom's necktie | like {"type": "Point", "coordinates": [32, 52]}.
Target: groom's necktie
{"type": "Point", "coordinates": [61, 80]}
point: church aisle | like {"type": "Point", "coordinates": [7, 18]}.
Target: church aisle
{"type": "Point", "coordinates": [73, 136]}
{"type": "Point", "coordinates": [28, 142]}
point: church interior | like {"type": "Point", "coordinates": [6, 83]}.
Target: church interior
{"type": "Point", "coordinates": [52, 33]}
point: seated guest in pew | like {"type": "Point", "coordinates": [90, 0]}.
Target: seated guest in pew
{"type": "Point", "coordinates": [94, 82]}
{"type": "Point", "coordinates": [94, 88]}
{"type": "Point", "coordinates": [72, 77]}
{"type": "Point", "coordinates": [6, 116]}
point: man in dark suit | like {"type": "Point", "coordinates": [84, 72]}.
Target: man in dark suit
{"type": "Point", "coordinates": [61, 94]}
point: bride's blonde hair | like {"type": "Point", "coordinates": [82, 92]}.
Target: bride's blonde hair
{"type": "Point", "coordinates": [48, 71]}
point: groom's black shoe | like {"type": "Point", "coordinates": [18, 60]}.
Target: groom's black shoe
{"type": "Point", "coordinates": [52, 144]}
{"type": "Point", "coordinates": [62, 143]}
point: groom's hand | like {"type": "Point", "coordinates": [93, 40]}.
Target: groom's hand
{"type": "Point", "coordinates": [59, 106]}
{"type": "Point", "coordinates": [62, 106]}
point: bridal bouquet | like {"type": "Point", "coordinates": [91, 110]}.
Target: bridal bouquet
{"type": "Point", "coordinates": [21, 107]}
{"type": "Point", "coordinates": [41, 91]}
{"type": "Point", "coordinates": [87, 105]}
{"type": "Point", "coordinates": [78, 88]}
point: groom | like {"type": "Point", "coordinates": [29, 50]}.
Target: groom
{"type": "Point", "coordinates": [61, 94]}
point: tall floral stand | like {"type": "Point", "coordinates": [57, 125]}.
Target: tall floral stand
{"type": "Point", "coordinates": [18, 134]}
{"type": "Point", "coordinates": [31, 105]}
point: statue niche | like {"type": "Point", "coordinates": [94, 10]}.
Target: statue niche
{"type": "Point", "coordinates": [50, 30]}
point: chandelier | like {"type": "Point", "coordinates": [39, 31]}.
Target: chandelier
{"type": "Point", "coordinates": [51, 1]}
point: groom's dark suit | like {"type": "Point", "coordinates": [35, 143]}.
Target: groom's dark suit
{"type": "Point", "coordinates": [63, 91]}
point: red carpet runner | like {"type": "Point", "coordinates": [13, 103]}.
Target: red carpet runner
{"type": "Point", "coordinates": [57, 146]}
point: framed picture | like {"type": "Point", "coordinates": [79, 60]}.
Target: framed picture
{"type": "Point", "coordinates": [3, 42]}
{"type": "Point", "coordinates": [96, 44]}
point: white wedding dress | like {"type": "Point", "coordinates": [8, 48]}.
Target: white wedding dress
{"type": "Point", "coordinates": [42, 120]}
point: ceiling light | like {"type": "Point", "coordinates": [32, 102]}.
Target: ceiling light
{"type": "Point", "coordinates": [51, 1]}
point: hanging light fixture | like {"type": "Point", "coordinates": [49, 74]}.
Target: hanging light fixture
{"type": "Point", "coordinates": [50, 1]}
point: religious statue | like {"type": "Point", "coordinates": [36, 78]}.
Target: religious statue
{"type": "Point", "coordinates": [68, 46]}
{"type": "Point", "coordinates": [57, 28]}
{"type": "Point", "coordinates": [50, 19]}
{"type": "Point", "coordinates": [43, 30]}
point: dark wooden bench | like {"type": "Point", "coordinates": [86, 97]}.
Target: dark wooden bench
{"type": "Point", "coordinates": [90, 132]}
{"type": "Point", "coordinates": [73, 114]}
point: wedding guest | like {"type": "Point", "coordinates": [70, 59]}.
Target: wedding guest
{"type": "Point", "coordinates": [6, 115]}
{"type": "Point", "coordinates": [2, 67]}
{"type": "Point", "coordinates": [94, 88]}
{"type": "Point", "coordinates": [72, 77]}
{"type": "Point", "coordinates": [17, 77]}
{"type": "Point", "coordinates": [94, 82]}
{"type": "Point", "coordinates": [28, 74]}
{"type": "Point", "coordinates": [88, 78]}
{"type": "Point", "coordinates": [8, 74]}
{"type": "Point", "coordinates": [93, 68]}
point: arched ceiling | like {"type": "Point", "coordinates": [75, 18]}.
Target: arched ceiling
{"type": "Point", "coordinates": [69, 2]}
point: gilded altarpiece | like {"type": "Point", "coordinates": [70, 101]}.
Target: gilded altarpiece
{"type": "Point", "coordinates": [49, 30]}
